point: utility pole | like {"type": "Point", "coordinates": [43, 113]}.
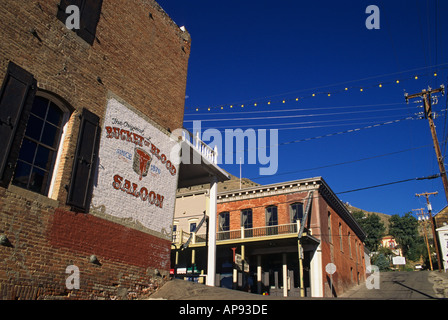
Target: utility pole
{"type": "Point", "coordinates": [422, 218]}
{"type": "Point", "coordinates": [426, 96]}
{"type": "Point", "coordinates": [427, 194]}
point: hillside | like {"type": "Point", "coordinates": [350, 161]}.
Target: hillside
{"type": "Point", "coordinates": [383, 217]}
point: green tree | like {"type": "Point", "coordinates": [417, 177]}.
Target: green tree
{"type": "Point", "coordinates": [405, 231]}
{"type": "Point", "coordinates": [373, 227]}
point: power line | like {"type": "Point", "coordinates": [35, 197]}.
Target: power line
{"type": "Point", "coordinates": [346, 162]}
{"type": "Point", "coordinates": [324, 136]}
{"type": "Point", "coordinates": [434, 176]}
{"type": "Point", "coordinates": [300, 115]}
{"type": "Point", "coordinates": [302, 109]}
{"type": "Point", "coordinates": [275, 203]}
{"type": "Point", "coordinates": [346, 131]}
{"type": "Point", "coordinates": [309, 123]}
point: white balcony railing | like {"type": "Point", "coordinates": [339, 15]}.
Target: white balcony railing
{"type": "Point", "coordinates": [180, 237]}
{"type": "Point", "coordinates": [206, 151]}
{"type": "Point", "coordinates": [266, 231]}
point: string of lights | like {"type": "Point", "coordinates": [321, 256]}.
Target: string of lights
{"type": "Point", "coordinates": [314, 93]}
{"type": "Point", "coordinates": [301, 115]}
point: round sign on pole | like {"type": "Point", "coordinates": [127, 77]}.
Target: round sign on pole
{"type": "Point", "coordinates": [330, 268]}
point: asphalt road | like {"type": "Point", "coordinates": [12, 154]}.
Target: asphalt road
{"type": "Point", "coordinates": [396, 286]}
{"type": "Point", "coordinates": [414, 285]}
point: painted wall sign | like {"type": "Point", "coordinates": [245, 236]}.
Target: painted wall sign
{"type": "Point", "coordinates": [136, 180]}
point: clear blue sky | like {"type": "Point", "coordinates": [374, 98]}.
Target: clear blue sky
{"type": "Point", "coordinates": [247, 52]}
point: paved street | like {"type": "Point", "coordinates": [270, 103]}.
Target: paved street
{"type": "Point", "coordinates": [397, 286]}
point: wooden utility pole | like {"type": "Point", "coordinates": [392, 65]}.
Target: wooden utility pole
{"type": "Point", "coordinates": [427, 194]}
{"type": "Point", "coordinates": [423, 225]}
{"type": "Point", "coordinates": [426, 96]}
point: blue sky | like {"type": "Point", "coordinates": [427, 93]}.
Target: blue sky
{"type": "Point", "coordinates": [256, 52]}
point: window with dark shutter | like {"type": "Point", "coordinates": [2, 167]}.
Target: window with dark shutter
{"type": "Point", "coordinates": [40, 144]}
{"type": "Point", "coordinates": [84, 165]}
{"type": "Point", "coordinates": [16, 98]}
{"type": "Point", "coordinates": [90, 11]}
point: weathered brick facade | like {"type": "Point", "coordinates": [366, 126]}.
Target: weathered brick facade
{"type": "Point", "coordinates": [139, 55]}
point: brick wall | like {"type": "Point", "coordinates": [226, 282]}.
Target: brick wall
{"type": "Point", "coordinates": [258, 206]}
{"type": "Point", "coordinates": [348, 265]}
{"type": "Point", "coordinates": [139, 55]}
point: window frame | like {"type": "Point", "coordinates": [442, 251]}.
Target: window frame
{"type": "Point", "coordinates": [291, 215]}
{"type": "Point", "coordinates": [273, 230]}
{"type": "Point", "coordinates": [227, 225]}
{"type": "Point", "coordinates": [249, 223]}
{"type": "Point", "coordinates": [268, 223]}
{"type": "Point", "coordinates": [340, 238]}
{"type": "Point", "coordinates": [249, 213]}
{"type": "Point", "coordinates": [55, 161]}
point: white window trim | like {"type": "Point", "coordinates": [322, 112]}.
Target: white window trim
{"type": "Point", "coordinates": [65, 118]}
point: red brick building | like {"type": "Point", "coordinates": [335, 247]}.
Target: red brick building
{"type": "Point", "coordinates": [86, 116]}
{"type": "Point", "coordinates": [266, 227]}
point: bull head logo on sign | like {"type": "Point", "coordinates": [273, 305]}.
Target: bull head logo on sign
{"type": "Point", "coordinates": [141, 163]}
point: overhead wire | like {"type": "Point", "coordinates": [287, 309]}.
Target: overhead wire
{"type": "Point", "coordinates": [305, 109]}
{"type": "Point", "coordinates": [434, 176]}
{"type": "Point", "coordinates": [324, 136]}
{"type": "Point", "coordinates": [346, 162]}
{"type": "Point", "coordinates": [275, 203]}
{"type": "Point", "coordinates": [278, 125]}
{"type": "Point", "coordinates": [301, 115]}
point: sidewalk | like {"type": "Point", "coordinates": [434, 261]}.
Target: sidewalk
{"type": "Point", "coordinates": [185, 290]}
{"type": "Point", "coordinates": [440, 281]}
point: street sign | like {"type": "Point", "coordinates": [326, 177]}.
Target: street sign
{"type": "Point", "coordinates": [399, 260]}
{"type": "Point", "coordinates": [239, 263]}
{"type": "Point", "coordinates": [330, 268]}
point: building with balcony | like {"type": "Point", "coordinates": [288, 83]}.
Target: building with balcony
{"type": "Point", "coordinates": [279, 239]}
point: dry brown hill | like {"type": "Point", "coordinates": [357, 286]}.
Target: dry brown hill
{"type": "Point", "coordinates": [383, 217]}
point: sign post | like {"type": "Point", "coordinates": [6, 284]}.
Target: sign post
{"type": "Point", "coordinates": [331, 269]}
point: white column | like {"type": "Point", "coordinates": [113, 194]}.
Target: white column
{"type": "Point", "coordinates": [259, 274]}
{"type": "Point", "coordinates": [285, 276]}
{"type": "Point", "coordinates": [316, 274]}
{"type": "Point", "coordinates": [211, 259]}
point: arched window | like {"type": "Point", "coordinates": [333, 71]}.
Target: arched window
{"type": "Point", "coordinates": [40, 145]}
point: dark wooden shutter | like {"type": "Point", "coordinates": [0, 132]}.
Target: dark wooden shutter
{"type": "Point", "coordinates": [90, 11]}
{"type": "Point", "coordinates": [16, 99]}
{"type": "Point", "coordinates": [85, 162]}
{"type": "Point", "coordinates": [90, 16]}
